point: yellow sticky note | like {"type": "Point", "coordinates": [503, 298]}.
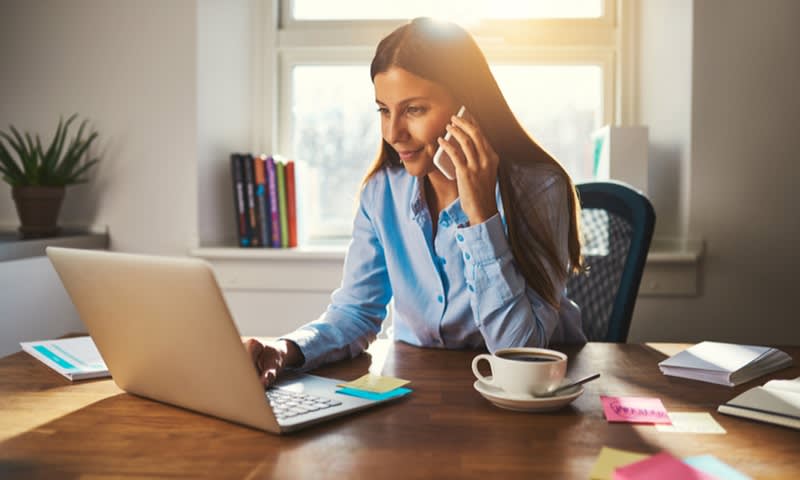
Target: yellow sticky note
{"type": "Point", "coordinates": [692, 422]}
{"type": "Point", "coordinates": [611, 458]}
{"type": "Point", "coordinates": [375, 383]}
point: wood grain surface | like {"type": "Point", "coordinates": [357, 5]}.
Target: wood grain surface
{"type": "Point", "coordinates": [51, 428]}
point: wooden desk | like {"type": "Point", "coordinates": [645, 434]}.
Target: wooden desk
{"type": "Point", "coordinates": [50, 428]}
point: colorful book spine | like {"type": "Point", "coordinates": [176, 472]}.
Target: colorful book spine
{"type": "Point", "coordinates": [281, 169]}
{"type": "Point", "coordinates": [291, 203]}
{"type": "Point", "coordinates": [239, 200]}
{"type": "Point", "coordinates": [249, 181]}
{"type": "Point", "coordinates": [262, 200]}
{"type": "Point", "coordinates": [272, 186]}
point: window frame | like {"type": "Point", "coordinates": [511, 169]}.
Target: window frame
{"type": "Point", "coordinates": [585, 41]}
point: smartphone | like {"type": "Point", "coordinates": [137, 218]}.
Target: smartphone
{"type": "Point", "coordinates": [441, 159]}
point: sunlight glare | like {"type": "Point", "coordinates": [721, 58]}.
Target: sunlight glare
{"type": "Point", "coordinates": [464, 12]}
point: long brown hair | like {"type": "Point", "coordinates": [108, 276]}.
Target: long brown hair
{"type": "Point", "coordinates": [446, 54]}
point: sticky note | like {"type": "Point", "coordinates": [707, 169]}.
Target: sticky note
{"type": "Point", "coordinates": [691, 422]}
{"type": "Point", "coordinates": [715, 467]}
{"type": "Point", "coordinates": [611, 458]}
{"type": "Point", "coordinates": [375, 383]}
{"type": "Point", "coordinates": [662, 466]}
{"type": "Point", "coordinates": [634, 409]}
{"type": "Point", "coordinates": [397, 392]}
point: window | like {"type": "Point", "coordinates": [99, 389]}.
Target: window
{"type": "Point", "coordinates": [554, 61]}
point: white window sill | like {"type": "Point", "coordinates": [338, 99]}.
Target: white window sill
{"type": "Point", "coordinates": [672, 268]}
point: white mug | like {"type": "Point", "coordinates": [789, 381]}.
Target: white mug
{"type": "Point", "coordinates": [526, 371]}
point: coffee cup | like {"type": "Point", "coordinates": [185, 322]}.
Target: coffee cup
{"type": "Point", "coordinates": [523, 371]}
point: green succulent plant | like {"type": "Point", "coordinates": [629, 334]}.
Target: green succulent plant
{"type": "Point", "coordinates": [55, 166]}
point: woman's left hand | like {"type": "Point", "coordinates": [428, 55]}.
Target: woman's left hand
{"type": "Point", "coordinates": [476, 169]}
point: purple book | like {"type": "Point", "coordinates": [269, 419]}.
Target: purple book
{"type": "Point", "coordinates": [272, 187]}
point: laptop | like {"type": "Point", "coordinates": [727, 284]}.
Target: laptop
{"type": "Point", "coordinates": [165, 332]}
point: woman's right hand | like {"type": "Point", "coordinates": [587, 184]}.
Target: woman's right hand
{"type": "Point", "coordinates": [270, 359]}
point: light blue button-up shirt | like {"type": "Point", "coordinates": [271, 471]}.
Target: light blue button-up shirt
{"type": "Point", "coordinates": [458, 289]}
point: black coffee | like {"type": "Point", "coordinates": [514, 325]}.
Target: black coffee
{"type": "Point", "coordinates": [528, 357]}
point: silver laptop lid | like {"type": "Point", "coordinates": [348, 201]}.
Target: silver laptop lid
{"type": "Point", "coordinates": [165, 332]}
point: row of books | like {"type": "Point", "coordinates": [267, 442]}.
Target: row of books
{"type": "Point", "coordinates": [264, 195]}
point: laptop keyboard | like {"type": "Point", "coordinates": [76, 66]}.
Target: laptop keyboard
{"type": "Point", "coordinates": [286, 403]}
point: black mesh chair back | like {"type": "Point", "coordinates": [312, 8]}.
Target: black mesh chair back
{"type": "Point", "coordinates": [617, 223]}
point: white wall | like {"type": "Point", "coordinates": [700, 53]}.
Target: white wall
{"type": "Point", "coordinates": [227, 60]}
{"type": "Point", "coordinates": [130, 67]}
{"type": "Point", "coordinates": [741, 155]}
{"type": "Point", "coordinates": [665, 106]}
{"type": "Point", "coordinates": [35, 305]}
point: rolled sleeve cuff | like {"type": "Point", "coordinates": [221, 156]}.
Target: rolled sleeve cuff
{"type": "Point", "coordinates": [304, 339]}
{"type": "Point", "coordinates": [485, 242]}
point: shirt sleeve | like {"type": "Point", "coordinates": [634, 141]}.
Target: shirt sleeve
{"type": "Point", "coordinates": [358, 307]}
{"type": "Point", "coordinates": [507, 311]}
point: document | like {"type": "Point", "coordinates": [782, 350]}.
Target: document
{"type": "Point", "coordinates": [725, 363]}
{"type": "Point", "coordinates": [74, 358]}
{"type": "Point", "coordinates": [777, 402]}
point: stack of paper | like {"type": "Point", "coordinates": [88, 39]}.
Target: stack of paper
{"type": "Point", "coordinates": [725, 363]}
{"type": "Point", "coordinates": [778, 402]}
{"type": "Point", "coordinates": [75, 358]}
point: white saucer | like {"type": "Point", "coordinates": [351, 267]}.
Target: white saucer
{"type": "Point", "coordinates": [527, 403]}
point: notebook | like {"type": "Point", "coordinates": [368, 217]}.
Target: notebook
{"type": "Point", "coordinates": [725, 363]}
{"type": "Point", "coordinates": [777, 401]}
{"type": "Point", "coordinates": [164, 330]}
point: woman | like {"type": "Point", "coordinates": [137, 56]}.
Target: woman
{"type": "Point", "coordinates": [481, 260]}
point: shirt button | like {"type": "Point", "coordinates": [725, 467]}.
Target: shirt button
{"type": "Point", "coordinates": [460, 237]}
{"type": "Point", "coordinates": [440, 299]}
{"type": "Point", "coordinates": [471, 288]}
{"type": "Point", "coordinates": [467, 255]}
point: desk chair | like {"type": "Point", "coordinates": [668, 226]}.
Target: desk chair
{"type": "Point", "coordinates": [617, 224]}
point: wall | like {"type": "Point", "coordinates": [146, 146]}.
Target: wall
{"type": "Point", "coordinates": [130, 67]}
{"type": "Point", "coordinates": [25, 315]}
{"type": "Point", "coordinates": [227, 56]}
{"type": "Point", "coordinates": [740, 152]}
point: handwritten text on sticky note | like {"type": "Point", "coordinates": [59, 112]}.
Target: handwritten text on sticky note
{"type": "Point", "coordinates": [634, 410]}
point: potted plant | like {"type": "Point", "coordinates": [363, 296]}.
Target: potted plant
{"type": "Point", "coordinates": [38, 176]}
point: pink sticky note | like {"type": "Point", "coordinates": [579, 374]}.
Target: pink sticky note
{"type": "Point", "coordinates": [660, 467]}
{"type": "Point", "coordinates": [634, 410]}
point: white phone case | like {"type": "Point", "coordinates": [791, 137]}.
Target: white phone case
{"type": "Point", "coordinates": [441, 159]}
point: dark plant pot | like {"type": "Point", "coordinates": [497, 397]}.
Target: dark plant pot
{"type": "Point", "coordinates": [38, 208]}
